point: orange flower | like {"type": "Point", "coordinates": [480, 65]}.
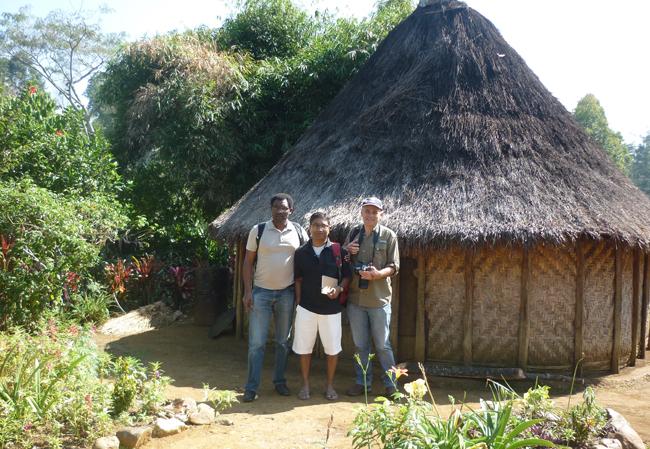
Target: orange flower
{"type": "Point", "coordinates": [32, 90]}
{"type": "Point", "coordinates": [59, 133]}
{"type": "Point", "coordinates": [398, 372]}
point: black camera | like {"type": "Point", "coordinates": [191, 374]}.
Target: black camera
{"type": "Point", "coordinates": [358, 267]}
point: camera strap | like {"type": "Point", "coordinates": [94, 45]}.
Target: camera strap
{"type": "Point", "coordinates": [375, 239]}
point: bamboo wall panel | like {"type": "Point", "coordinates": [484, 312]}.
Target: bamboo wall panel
{"type": "Point", "coordinates": [408, 293]}
{"type": "Point", "coordinates": [552, 305]}
{"type": "Point", "coordinates": [444, 302]}
{"type": "Point", "coordinates": [645, 293]}
{"type": "Point", "coordinates": [495, 311]}
{"type": "Point", "coordinates": [626, 312]}
{"type": "Point", "coordinates": [599, 304]}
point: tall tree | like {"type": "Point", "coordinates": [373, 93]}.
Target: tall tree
{"type": "Point", "coordinates": [65, 48]}
{"type": "Point", "coordinates": [591, 115]}
{"type": "Point", "coordinates": [266, 28]}
{"type": "Point", "coordinates": [641, 165]}
{"type": "Point", "coordinates": [195, 119]}
{"type": "Point", "coordinates": [15, 77]}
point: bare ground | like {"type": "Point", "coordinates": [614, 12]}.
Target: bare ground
{"type": "Point", "coordinates": [276, 422]}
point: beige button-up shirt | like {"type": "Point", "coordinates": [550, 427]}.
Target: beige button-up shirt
{"type": "Point", "coordinates": [386, 254]}
{"type": "Point", "coordinates": [274, 266]}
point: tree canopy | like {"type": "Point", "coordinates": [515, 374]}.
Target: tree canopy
{"type": "Point", "coordinates": [65, 48]}
{"type": "Point", "coordinates": [197, 118]}
{"type": "Point", "coordinates": [591, 115]}
{"type": "Point", "coordinates": [640, 171]}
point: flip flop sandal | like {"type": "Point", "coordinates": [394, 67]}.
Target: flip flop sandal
{"type": "Point", "coordinates": [331, 394]}
{"type": "Point", "coordinates": [303, 393]}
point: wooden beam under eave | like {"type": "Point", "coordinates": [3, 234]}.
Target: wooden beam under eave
{"type": "Point", "coordinates": [239, 305]}
{"type": "Point", "coordinates": [524, 324]}
{"type": "Point", "coordinates": [578, 343]}
{"type": "Point", "coordinates": [636, 306]}
{"type": "Point", "coordinates": [618, 308]}
{"type": "Point", "coordinates": [645, 293]}
{"type": "Point", "coordinates": [467, 313]}
{"type": "Point", "coordinates": [420, 331]}
{"type": "Point", "coordinates": [394, 320]}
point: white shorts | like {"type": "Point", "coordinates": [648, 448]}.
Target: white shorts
{"type": "Point", "coordinates": [308, 324]}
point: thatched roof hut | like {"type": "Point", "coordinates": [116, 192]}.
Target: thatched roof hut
{"type": "Point", "coordinates": [527, 241]}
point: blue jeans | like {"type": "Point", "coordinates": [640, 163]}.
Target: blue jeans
{"type": "Point", "coordinates": [367, 323]}
{"type": "Point", "coordinates": [267, 303]}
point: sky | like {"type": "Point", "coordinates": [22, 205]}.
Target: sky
{"type": "Point", "coordinates": [575, 47]}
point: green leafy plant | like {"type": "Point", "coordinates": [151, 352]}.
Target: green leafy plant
{"type": "Point", "coordinates": [48, 385]}
{"type": "Point", "coordinates": [582, 422]}
{"type": "Point", "coordinates": [220, 399]}
{"type": "Point", "coordinates": [91, 305]}
{"type": "Point", "coordinates": [410, 422]}
{"type": "Point", "coordinates": [129, 374]}
{"type": "Point", "coordinates": [133, 381]}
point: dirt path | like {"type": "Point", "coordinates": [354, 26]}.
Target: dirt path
{"type": "Point", "coordinates": [275, 422]}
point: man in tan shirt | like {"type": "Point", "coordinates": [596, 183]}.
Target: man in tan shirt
{"type": "Point", "coordinates": [375, 258]}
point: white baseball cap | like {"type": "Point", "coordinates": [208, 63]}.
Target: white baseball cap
{"type": "Point", "coordinates": [372, 201]}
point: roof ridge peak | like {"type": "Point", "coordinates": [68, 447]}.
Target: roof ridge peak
{"type": "Point", "coordinates": [442, 4]}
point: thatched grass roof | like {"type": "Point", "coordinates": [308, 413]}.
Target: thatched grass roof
{"type": "Point", "coordinates": [449, 126]}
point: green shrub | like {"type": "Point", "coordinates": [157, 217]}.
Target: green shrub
{"type": "Point", "coordinates": [583, 422]}
{"type": "Point", "coordinates": [52, 148]}
{"type": "Point", "coordinates": [133, 381]}
{"type": "Point", "coordinates": [55, 387]}
{"type": "Point", "coordinates": [410, 422]}
{"type": "Point", "coordinates": [58, 205]}
{"type": "Point", "coordinates": [49, 385]}
{"type": "Point", "coordinates": [506, 422]}
{"type": "Point", "coordinates": [50, 236]}
{"type": "Point", "coordinates": [90, 305]}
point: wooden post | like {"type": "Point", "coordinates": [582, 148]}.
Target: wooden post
{"type": "Point", "coordinates": [420, 337]}
{"type": "Point", "coordinates": [578, 342]}
{"type": "Point", "coordinates": [618, 309]}
{"type": "Point", "coordinates": [394, 321]}
{"type": "Point", "coordinates": [469, 299]}
{"type": "Point", "coordinates": [645, 291]}
{"type": "Point", "coordinates": [239, 305]}
{"type": "Point", "coordinates": [636, 306]}
{"type": "Point", "coordinates": [523, 310]}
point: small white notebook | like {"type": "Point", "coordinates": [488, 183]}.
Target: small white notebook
{"type": "Point", "coordinates": [327, 284]}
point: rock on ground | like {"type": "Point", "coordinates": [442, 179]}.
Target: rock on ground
{"type": "Point", "coordinates": [607, 443]}
{"type": "Point", "coordinates": [107, 443]}
{"type": "Point", "coordinates": [133, 437]}
{"type": "Point", "coordinates": [623, 431]}
{"type": "Point", "coordinates": [165, 427]}
{"type": "Point", "coordinates": [140, 320]}
{"type": "Point", "coordinates": [203, 416]}
{"type": "Point", "coordinates": [184, 405]}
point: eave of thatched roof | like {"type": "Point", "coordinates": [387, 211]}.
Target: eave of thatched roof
{"type": "Point", "coordinates": [448, 125]}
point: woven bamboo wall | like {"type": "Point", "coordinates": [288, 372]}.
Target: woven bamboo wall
{"type": "Point", "coordinates": [495, 311]}
{"type": "Point", "coordinates": [444, 302]}
{"type": "Point", "coordinates": [599, 305]}
{"type": "Point", "coordinates": [626, 313]}
{"type": "Point", "coordinates": [551, 306]}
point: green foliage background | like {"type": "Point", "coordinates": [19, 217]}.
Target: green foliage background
{"type": "Point", "coordinates": [195, 119]}
{"type": "Point", "coordinates": [58, 203]}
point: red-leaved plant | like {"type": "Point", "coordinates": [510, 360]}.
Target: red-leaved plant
{"type": "Point", "coordinates": [144, 276]}
{"type": "Point", "coordinates": [71, 284]}
{"type": "Point", "coordinates": [181, 285]}
{"type": "Point", "coordinates": [118, 274]}
{"type": "Point", "coordinates": [7, 244]}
